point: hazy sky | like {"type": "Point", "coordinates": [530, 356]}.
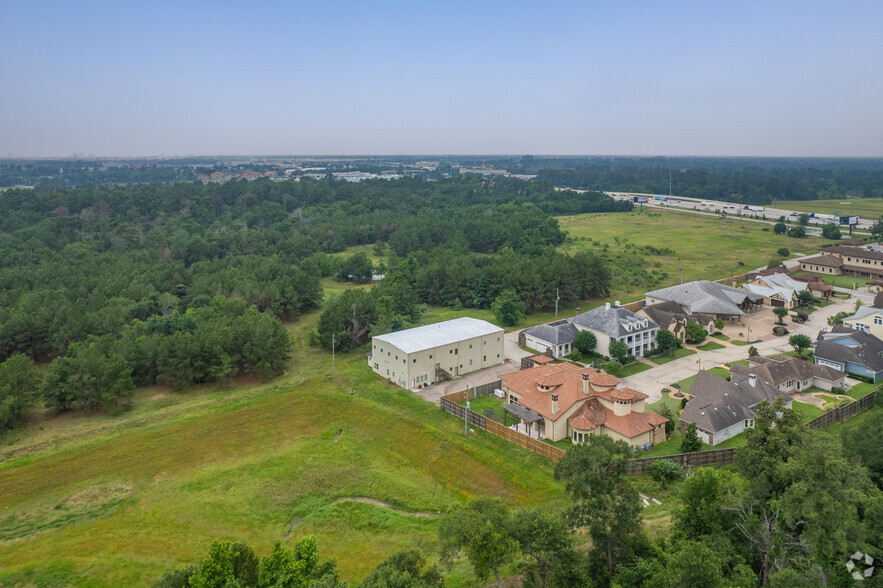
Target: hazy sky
{"type": "Point", "coordinates": [420, 77]}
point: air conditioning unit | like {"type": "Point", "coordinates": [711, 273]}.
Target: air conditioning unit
{"type": "Point", "coordinates": [499, 393]}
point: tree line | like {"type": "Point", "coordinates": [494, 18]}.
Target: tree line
{"type": "Point", "coordinates": [747, 185]}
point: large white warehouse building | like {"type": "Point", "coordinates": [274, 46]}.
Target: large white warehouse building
{"type": "Point", "coordinates": [410, 357]}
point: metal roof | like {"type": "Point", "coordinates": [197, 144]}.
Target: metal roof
{"type": "Point", "coordinates": [439, 334]}
{"type": "Point", "coordinates": [706, 297]}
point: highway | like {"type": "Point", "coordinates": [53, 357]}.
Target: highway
{"type": "Point", "coordinates": [731, 209]}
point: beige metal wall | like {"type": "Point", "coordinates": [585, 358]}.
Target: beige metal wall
{"type": "Point", "coordinates": [462, 357]}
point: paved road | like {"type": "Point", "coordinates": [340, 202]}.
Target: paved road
{"type": "Point", "coordinates": [652, 381]}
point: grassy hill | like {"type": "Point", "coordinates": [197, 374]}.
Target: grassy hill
{"type": "Point", "coordinates": [97, 501]}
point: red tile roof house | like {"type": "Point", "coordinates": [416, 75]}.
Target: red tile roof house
{"type": "Point", "coordinates": [565, 400]}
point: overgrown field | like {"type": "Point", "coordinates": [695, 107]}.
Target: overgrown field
{"type": "Point", "coordinates": [870, 208]}
{"type": "Point", "coordinates": [649, 249]}
{"type": "Point", "coordinates": [97, 500]}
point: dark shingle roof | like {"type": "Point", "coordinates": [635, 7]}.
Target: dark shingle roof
{"type": "Point", "coordinates": [557, 335]}
{"type": "Point", "coordinates": [706, 297]}
{"type": "Point", "coordinates": [718, 404]}
{"type": "Point", "coordinates": [613, 321]}
{"type": "Point", "coordinates": [781, 369]}
{"type": "Point", "coordinates": [867, 352]}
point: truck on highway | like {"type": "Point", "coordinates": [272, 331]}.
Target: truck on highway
{"type": "Point", "coordinates": [754, 208]}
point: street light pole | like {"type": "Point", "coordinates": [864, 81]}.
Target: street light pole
{"type": "Point", "coordinates": [333, 341]}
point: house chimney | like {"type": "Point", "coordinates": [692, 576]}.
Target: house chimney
{"type": "Point", "coordinates": [585, 383]}
{"type": "Point", "coordinates": [577, 310]}
{"type": "Point", "coordinates": [752, 380]}
{"type": "Point", "coordinates": [607, 305]}
{"type": "Point", "coordinates": [554, 404]}
{"type": "Point", "coordinates": [616, 303]}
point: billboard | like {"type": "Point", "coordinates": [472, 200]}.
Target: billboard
{"type": "Point", "coordinates": [848, 220]}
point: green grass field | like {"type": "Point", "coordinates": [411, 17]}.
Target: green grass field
{"type": "Point", "coordinates": [870, 208]}
{"type": "Point", "coordinates": [860, 390]}
{"type": "Point", "coordinates": [92, 500]}
{"type": "Point", "coordinates": [709, 248]}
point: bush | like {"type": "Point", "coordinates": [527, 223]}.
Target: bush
{"type": "Point", "coordinates": [665, 471]}
{"type": "Point", "coordinates": [803, 316]}
{"type": "Point", "coordinates": [862, 378]}
{"type": "Point", "coordinates": [613, 367]}
{"type": "Point", "coordinates": [779, 331]}
{"type": "Point", "coordinates": [837, 390]}
{"type": "Point", "coordinates": [575, 355]}
{"type": "Point", "coordinates": [684, 402]}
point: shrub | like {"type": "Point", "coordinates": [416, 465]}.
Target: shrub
{"type": "Point", "coordinates": [575, 355]}
{"type": "Point", "coordinates": [665, 471]}
{"type": "Point", "coordinates": [803, 316]}
{"type": "Point", "coordinates": [779, 331]}
{"type": "Point", "coordinates": [684, 402]}
{"type": "Point", "coordinates": [613, 367]}
{"type": "Point", "coordinates": [837, 390]}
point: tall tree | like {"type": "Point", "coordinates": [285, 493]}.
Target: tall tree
{"type": "Point", "coordinates": [480, 531]}
{"type": "Point", "coordinates": [604, 500]}
{"type": "Point", "coordinates": [19, 383]}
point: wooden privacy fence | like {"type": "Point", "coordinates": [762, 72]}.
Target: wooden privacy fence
{"type": "Point", "coordinates": [641, 465]}
{"type": "Point", "coordinates": [842, 413]}
{"type": "Point", "coordinates": [541, 447]}
{"type": "Point", "coordinates": [698, 459]}
{"type": "Point", "coordinates": [473, 393]}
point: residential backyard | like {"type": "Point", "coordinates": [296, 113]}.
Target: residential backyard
{"type": "Point", "coordinates": [839, 281]}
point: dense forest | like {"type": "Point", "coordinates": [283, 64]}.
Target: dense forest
{"type": "Point", "coordinates": [126, 285]}
{"type": "Point", "coordinates": [747, 185]}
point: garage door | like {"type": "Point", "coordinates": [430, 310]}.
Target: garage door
{"type": "Point", "coordinates": [776, 302]}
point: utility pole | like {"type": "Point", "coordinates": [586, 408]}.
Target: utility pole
{"type": "Point", "coordinates": [466, 415]}
{"type": "Point", "coordinates": [557, 298]}
{"type": "Point", "coordinates": [333, 341]}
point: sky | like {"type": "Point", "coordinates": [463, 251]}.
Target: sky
{"type": "Point", "coordinates": [802, 78]}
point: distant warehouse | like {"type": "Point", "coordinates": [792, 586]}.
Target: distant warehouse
{"type": "Point", "coordinates": [421, 355]}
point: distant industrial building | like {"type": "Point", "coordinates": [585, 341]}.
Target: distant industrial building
{"type": "Point", "coordinates": [423, 355]}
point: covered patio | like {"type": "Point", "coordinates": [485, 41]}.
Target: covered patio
{"type": "Point", "coordinates": [532, 424]}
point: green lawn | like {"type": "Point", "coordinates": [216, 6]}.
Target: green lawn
{"type": "Point", "coordinates": [831, 402]}
{"type": "Point", "coordinates": [677, 353]}
{"type": "Point", "coordinates": [720, 336]}
{"type": "Point", "coordinates": [738, 362]}
{"type": "Point", "coordinates": [711, 345]}
{"type": "Point", "coordinates": [717, 371]}
{"type": "Point", "coordinates": [633, 368]}
{"type": "Point", "coordinates": [809, 411]}
{"type": "Point", "coordinates": [480, 404]}
{"type": "Point", "coordinates": [118, 501]}
{"type": "Point", "coordinates": [839, 281]}
{"type": "Point", "coordinates": [670, 447]}
{"type": "Point", "coordinates": [740, 342]}
{"type": "Point", "coordinates": [714, 249]}
{"type": "Point", "coordinates": [861, 390]}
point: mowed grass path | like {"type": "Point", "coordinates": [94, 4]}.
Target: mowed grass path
{"type": "Point", "coordinates": [708, 248]}
{"type": "Point", "coordinates": [132, 497]}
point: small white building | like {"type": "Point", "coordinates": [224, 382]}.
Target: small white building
{"type": "Point", "coordinates": [412, 357]}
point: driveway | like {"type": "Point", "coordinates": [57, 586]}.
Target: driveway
{"type": "Point", "coordinates": [513, 354]}
{"type": "Point", "coordinates": [652, 381]}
